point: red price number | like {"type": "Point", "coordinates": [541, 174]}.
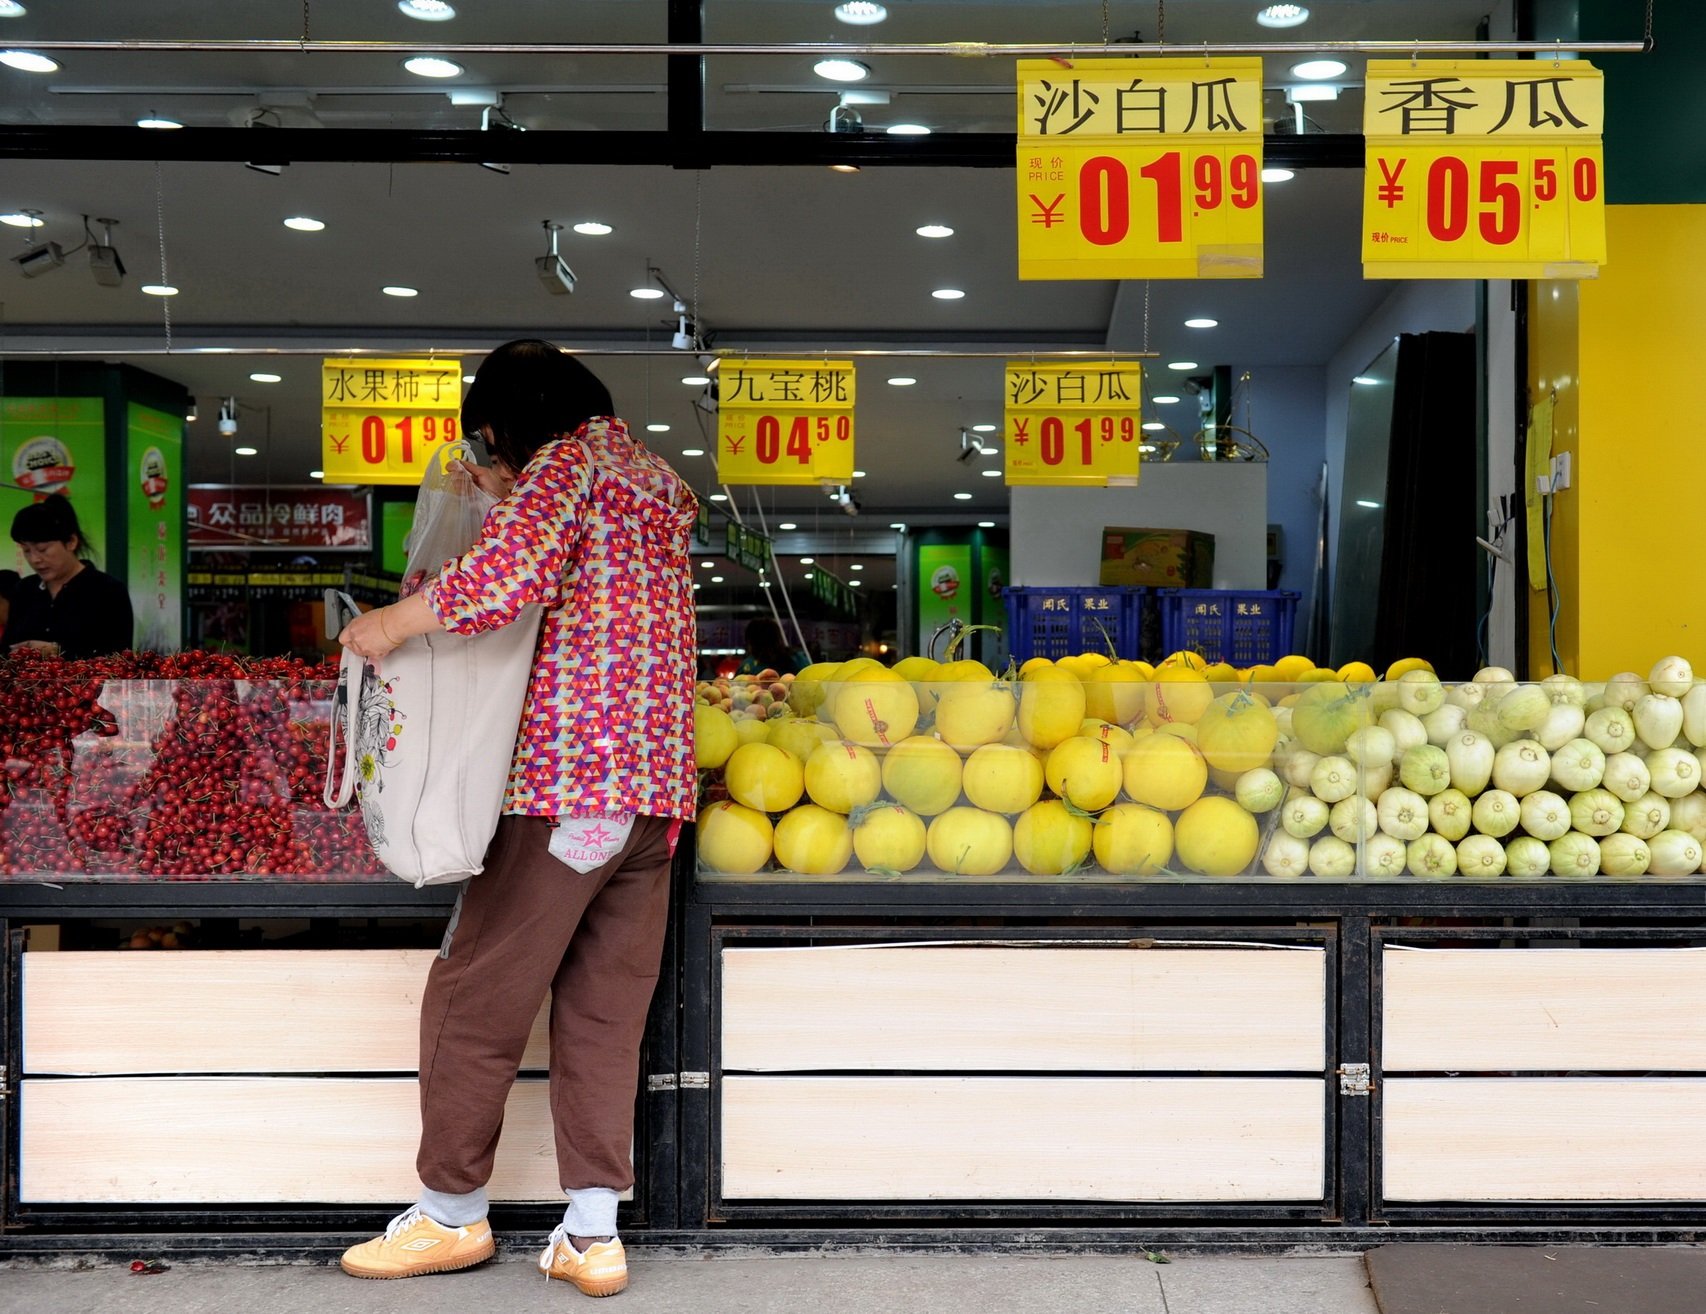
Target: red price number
{"type": "Point", "coordinates": [770, 444]}
{"type": "Point", "coordinates": [377, 436]}
{"type": "Point", "coordinates": [1088, 434]}
{"type": "Point", "coordinates": [1107, 193]}
{"type": "Point", "coordinates": [1491, 194]}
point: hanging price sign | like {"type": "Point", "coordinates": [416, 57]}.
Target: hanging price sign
{"type": "Point", "coordinates": [785, 422]}
{"type": "Point", "coordinates": [382, 420]}
{"type": "Point", "coordinates": [1484, 169]}
{"type": "Point", "coordinates": [1073, 424]}
{"type": "Point", "coordinates": [1140, 168]}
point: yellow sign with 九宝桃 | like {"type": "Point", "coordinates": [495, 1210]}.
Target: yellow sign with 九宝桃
{"type": "Point", "coordinates": [785, 422]}
{"type": "Point", "coordinates": [1076, 424]}
{"type": "Point", "coordinates": [381, 421]}
{"type": "Point", "coordinates": [1484, 169]}
{"type": "Point", "coordinates": [1140, 168]}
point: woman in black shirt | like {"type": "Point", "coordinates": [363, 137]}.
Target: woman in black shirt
{"type": "Point", "coordinates": [67, 608]}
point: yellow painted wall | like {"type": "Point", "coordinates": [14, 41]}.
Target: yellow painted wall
{"type": "Point", "coordinates": [1629, 412]}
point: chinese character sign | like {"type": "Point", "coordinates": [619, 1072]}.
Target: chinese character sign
{"type": "Point", "coordinates": [1073, 424]}
{"type": "Point", "coordinates": [382, 420]}
{"type": "Point", "coordinates": [1140, 168]}
{"type": "Point", "coordinates": [785, 422]}
{"type": "Point", "coordinates": [279, 519]}
{"type": "Point", "coordinates": [1484, 169]}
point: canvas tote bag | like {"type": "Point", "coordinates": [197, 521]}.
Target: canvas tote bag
{"type": "Point", "coordinates": [429, 736]}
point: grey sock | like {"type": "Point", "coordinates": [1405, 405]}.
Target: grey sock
{"type": "Point", "coordinates": [453, 1210]}
{"type": "Point", "coordinates": [591, 1211]}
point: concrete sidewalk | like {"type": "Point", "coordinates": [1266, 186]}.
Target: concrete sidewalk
{"type": "Point", "coordinates": [718, 1283]}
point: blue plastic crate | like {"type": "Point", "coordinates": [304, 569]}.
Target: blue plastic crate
{"type": "Point", "coordinates": [1057, 622]}
{"type": "Point", "coordinates": [1243, 627]}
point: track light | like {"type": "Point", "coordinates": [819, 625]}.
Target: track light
{"type": "Point", "coordinates": [104, 261]}
{"type": "Point", "coordinates": [553, 270]}
{"type": "Point", "coordinates": [228, 417]}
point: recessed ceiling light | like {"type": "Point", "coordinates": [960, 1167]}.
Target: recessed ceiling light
{"type": "Point", "coordinates": [844, 168]}
{"type": "Point", "coordinates": [990, 474]}
{"type": "Point", "coordinates": [1317, 70]}
{"type": "Point", "coordinates": [1181, 365]}
{"type": "Point", "coordinates": [316, 474]}
{"type": "Point", "coordinates": [907, 130]}
{"type": "Point", "coordinates": [27, 61]}
{"type": "Point", "coordinates": [948, 294]}
{"type": "Point", "coordinates": [934, 230]}
{"type": "Point", "coordinates": [695, 380]}
{"type": "Point", "coordinates": [806, 561]}
{"type": "Point", "coordinates": [1365, 380]}
{"type": "Point", "coordinates": [861, 13]}
{"type": "Point", "coordinates": [303, 224]}
{"type": "Point", "coordinates": [1154, 426]}
{"type": "Point", "coordinates": [1311, 91]}
{"type": "Point", "coordinates": [1164, 401]}
{"type": "Point", "coordinates": [697, 587]}
{"type": "Point", "coordinates": [1282, 15]}
{"type": "Point", "coordinates": [162, 124]}
{"type": "Point", "coordinates": [245, 451]}
{"type": "Point", "coordinates": [897, 524]}
{"type": "Point", "coordinates": [854, 583]}
{"type": "Point", "coordinates": [962, 497]}
{"type": "Point", "coordinates": [159, 290]}
{"type": "Point", "coordinates": [787, 524]}
{"type": "Point", "coordinates": [693, 451]}
{"type": "Point", "coordinates": [716, 579]}
{"type": "Point", "coordinates": [657, 428]}
{"type": "Point", "coordinates": [267, 378]}
{"type": "Point", "coordinates": [428, 11]}
{"type": "Point", "coordinates": [11, 9]}
{"type": "Point", "coordinates": [646, 293]}
{"type": "Point", "coordinates": [707, 565]}
{"type": "Point", "coordinates": [855, 566]}
{"type": "Point", "coordinates": [990, 449]}
{"type": "Point", "coordinates": [467, 378]}
{"type": "Point", "coordinates": [22, 219]}
{"type": "Point", "coordinates": [592, 228]}
{"type": "Point", "coordinates": [432, 66]}
{"type": "Point", "coordinates": [1146, 447]}
{"type": "Point", "coordinates": [984, 428]}
{"type": "Point", "coordinates": [1372, 506]}
{"type": "Point", "coordinates": [398, 290]}
{"type": "Point", "coordinates": [719, 497]}
{"type": "Point", "coordinates": [842, 70]}
{"type": "Point", "coordinates": [1202, 323]}
{"type": "Point", "coordinates": [986, 524]}
{"type": "Point", "coordinates": [807, 575]}
{"type": "Point", "coordinates": [902, 381]}
{"type": "Point", "coordinates": [1276, 174]}
{"type": "Point", "coordinates": [858, 474]}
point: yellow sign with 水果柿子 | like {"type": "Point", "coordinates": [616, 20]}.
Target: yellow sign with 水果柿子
{"type": "Point", "coordinates": [785, 422]}
{"type": "Point", "coordinates": [381, 421]}
{"type": "Point", "coordinates": [1075, 424]}
{"type": "Point", "coordinates": [1140, 168]}
{"type": "Point", "coordinates": [1483, 169]}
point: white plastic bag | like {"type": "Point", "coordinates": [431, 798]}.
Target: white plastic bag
{"type": "Point", "coordinates": [449, 511]}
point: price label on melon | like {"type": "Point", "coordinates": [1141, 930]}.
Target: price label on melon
{"type": "Point", "coordinates": [1484, 169]}
{"type": "Point", "coordinates": [785, 422]}
{"type": "Point", "coordinates": [1073, 424]}
{"type": "Point", "coordinates": [381, 421]}
{"type": "Point", "coordinates": [1140, 169]}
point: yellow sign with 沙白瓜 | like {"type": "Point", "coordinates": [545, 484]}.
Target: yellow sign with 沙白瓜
{"type": "Point", "coordinates": [1484, 169]}
{"type": "Point", "coordinates": [381, 421]}
{"type": "Point", "coordinates": [785, 422]}
{"type": "Point", "coordinates": [1140, 168]}
{"type": "Point", "coordinates": [1076, 424]}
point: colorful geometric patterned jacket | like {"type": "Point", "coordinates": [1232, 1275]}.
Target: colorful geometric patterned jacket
{"type": "Point", "coordinates": [597, 530]}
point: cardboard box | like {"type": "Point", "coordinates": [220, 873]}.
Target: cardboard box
{"type": "Point", "coordinates": [1157, 558]}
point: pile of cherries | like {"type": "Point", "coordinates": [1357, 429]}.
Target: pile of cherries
{"type": "Point", "coordinates": [210, 766]}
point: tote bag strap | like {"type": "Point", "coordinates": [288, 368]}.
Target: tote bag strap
{"type": "Point", "coordinates": [336, 790]}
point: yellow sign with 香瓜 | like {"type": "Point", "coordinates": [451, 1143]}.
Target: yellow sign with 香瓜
{"type": "Point", "coordinates": [1076, 424]}
{"type": "Point", "coordinates": [785, 422]}
{"type": "Point", "coordinates": [1140, 168]}
{"type": "Point", "coordinates": [381, 421]}
{"type": "Point", "coordinates": [1484, 169]}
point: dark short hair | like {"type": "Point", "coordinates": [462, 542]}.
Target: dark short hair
{"type": "Point", "coordinates": [528, 392]}
{"type": "Point", "coordinates": [51, 520]}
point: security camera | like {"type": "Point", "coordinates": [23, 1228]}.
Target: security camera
{"type": "Point", "coordinates": [971, 447]}
{"type": "Point", "coordinates": [228, 417]}
{"type": "Point", "coordinates": [555, 274]}
{"type": "Point", "coordinates": [844, 118]}
{"type": "Point", "coordinates": [39, 259]}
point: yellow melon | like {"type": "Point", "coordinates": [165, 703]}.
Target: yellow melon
{"type": "Point", "coordinates": [1084, 771]}
{"type": "Point", "coordinates": [970, 714]}
{"type": "Point", "coordinates": [877, 709]}
{"type": "Point", "coordinates": [1165, 772]}
{"type": "Point", "coordinates": [1002, 778]}
{"type": "Point", "coordinates": [733, 838]}
{"type": "Point", "coordinates": [969, 842]}
{"type": "Point", "coordinates": [843, 776]}
{"type": "Point", "coordinates": [889, 838]}
{"type": "Point", "coordinates": [813, 841]}
{"type": "Point", "coordinates": [922, 773]}
{"type": "Point", "coordinates": [1178, 693]}
{"type": "Point", "coordinates": [1048, 840]}
{"type": "Point", "coordinates": [1132, 840]}
{"type": "Point", "coordinates": [1216, 837]}
{"type": "Point", "coordinates": [764, 777]}
{"type": "Point", "coordinates": [1051, 706]}
{"type": "Point", "coordinates": [1237, 733]}
{"type": "Point", "coordinates": [714, 737]}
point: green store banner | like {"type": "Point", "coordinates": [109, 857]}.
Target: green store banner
{"type": "Point", "coordinates": [946, 589]}
{"type": "Point", "coordinates": [154, 492]}
{"type": "Point", "coordinates": [55, 445]}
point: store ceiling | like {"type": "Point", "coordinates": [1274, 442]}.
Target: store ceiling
{"type": "Point", "coordinates": [773, 258]}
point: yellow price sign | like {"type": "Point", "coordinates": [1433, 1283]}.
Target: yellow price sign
{"type": "Point", "coordinates": [1140, 169]}
{"type": "Point", "coordinates": [381, 421]}
{"type": "Point", "coordinates": [1485, 169]}
{"type": "Point", "coordinates": [1073, 424]}
{"type": "Point", "coordinates": [785, 422]}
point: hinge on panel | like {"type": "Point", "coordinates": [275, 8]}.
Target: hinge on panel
{"type": "Point", "coordinates": [660, 1081]}
{"type": "Point", "coordinates": [1354, 1079]}
{"type": "Point", "coordinates": [695, 1081]}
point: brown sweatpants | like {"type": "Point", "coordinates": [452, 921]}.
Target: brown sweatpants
{"type": "Point", "coordinates": [526, 925]}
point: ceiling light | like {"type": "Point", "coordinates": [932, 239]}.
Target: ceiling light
{"type": "Point", "coordinates": [897, 524]}
{"type": "Point", "coordinates": [467, 378]}
{"type": "Point", "coordinates": [1311, 91]}
{"type": "Point", "coordinates": [693, 451]}
{"type": "Point", "coordinates": [1282, 15]}
{"type": "Point", "coordinates": [844, 168]}
{"type": "Point", "coordinates": [316, 474]}
{"type": "Point", "coordinates": [986, 524]}
{"type": "Point", "coordinates": [303, 224]}
{"type": "Point", "coordinates": [716, 579]}
{"type": "Point", "coordinates": [707, 565]}
{"type": "Point", "coordinates": [657, 428]}
{"type": "Point", "coordinates": [807, 575]}
{"type": "Point", "coordinates": [806, 561]}
{"type": "Point", "coordinates": [697, 587]}
{"type": "Point", "coordinates": [1202, 323]}
{"type": "Point", "coordinates": [1372, 506]}
{"type": "Point", "coordinates": [842, 70]}
{"type": "Point", "coordinates": [934, 230]}
{"type": "Point", "coordinates": [1276, 174]}
{"type": "Point", "coordinates": [398, 290]}
{"type": "Point", "coordinates": [787, 524]}
{"type": "Point", "coordinates": [695, 380]}
{"type": "Point", "coordinates": [858, 474]}
{"type": "Point", "coordinates": [159, 289]}
{"type": "Point", "coordinates": [907, 130]}
{"type": "Point", "coordinates": [948, 294]}
{"type": "Point", "coordinates": [861, 13]}
{"type": "Point", "coordinates": [432, 66]}
{"type": "Point", "coordinates": [1365, 380]}
{"type": "Point", "coordinates": [1317, 70]}
{"type": "Point", "coordinates": [719, 497]}
{"type": "Point", "coordinates": [428, 11]}
{"type": "Point", "coordinates": [162, 124]}
{"type": "Point", "coordinates": [855, 566]}
{"type": "Point", "coordinates": [1153, 426]}
{"type": "Point", "coordinates": [1181, 365]}
{"type": "Point", "coordinates": [854, 583]}
{"type": "Point", "coordinates": [1164, 401]}
{"type": "Point", "coordinates": [267, 378]}
{"type": "Point", "coordinates": [962, 497]}
{"type": "Point", "coordinates": [1146, 447]}
{"type": "Point", "coordinates": [984, 428]}
{"type": "Point", "coordinates": [27, 61]}
{"type": "Point", "coordinates": [11, 9]}
{"type": "Point", "coordinates": [22, 219]}
{"type": "Point", "coordinates": [592, 228]}
{"type": "Point", "coordinates": [646, 293]}
{"type": "Point", "coordinates": [990, 474]}
{"type": "Point", "coordinates": [902, 381]}
{"type": "Point", "coordinates": [245, 451]}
